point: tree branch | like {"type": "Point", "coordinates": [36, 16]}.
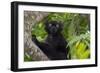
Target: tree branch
{"type": "Point", "coordinates": [30, 19]}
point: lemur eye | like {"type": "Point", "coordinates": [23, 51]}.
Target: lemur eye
{"type": "Point", "coordinates": [50, 25]}
{"type": "Point", "coordinates": [57, 26]}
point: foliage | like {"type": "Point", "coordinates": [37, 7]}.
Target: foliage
{"type": "Point", "coordinates": [39, 31]}
{"type": "Point", "coordinates": [27, 57]}
{"type": "Point", "coordinates": [80, 46]}
{"type": "Point", "coordinates": [76, 31]}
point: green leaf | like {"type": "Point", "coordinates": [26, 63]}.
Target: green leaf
{"type": "Point", "coordinates": [86, 54]}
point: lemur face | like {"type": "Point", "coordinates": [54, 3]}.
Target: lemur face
{"type": "Point", "coordinates": [53, 27]}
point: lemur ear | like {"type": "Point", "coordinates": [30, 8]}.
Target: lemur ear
{"type": "Point", "coordinates": [46, 25]}
{"type": "Point", "coordinates": [46, 22]}
{"type": "Point", "coordinates": [61, 24]}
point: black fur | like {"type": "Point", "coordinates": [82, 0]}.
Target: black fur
{"type": "Point", "coordinates": [55, 45]}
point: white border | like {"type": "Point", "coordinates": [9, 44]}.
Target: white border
{"type": "Point", "coordinates": [22, 64]}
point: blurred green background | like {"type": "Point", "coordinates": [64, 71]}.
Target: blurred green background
{"type": "Point", "coordinates": [76, 30]}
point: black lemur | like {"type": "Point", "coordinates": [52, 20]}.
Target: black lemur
{"type": "Point", "coordinates": [55, 44]}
